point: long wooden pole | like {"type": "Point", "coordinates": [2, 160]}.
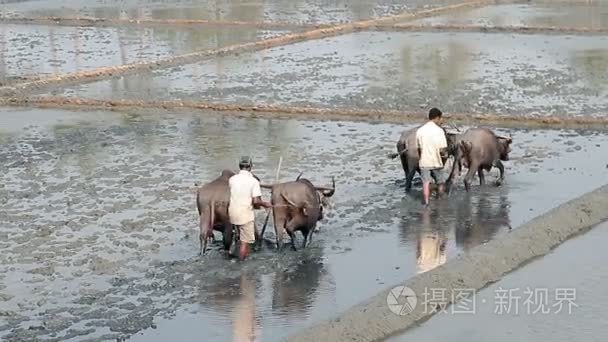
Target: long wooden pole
{"type": "Point", "coordinates": [269, 211]}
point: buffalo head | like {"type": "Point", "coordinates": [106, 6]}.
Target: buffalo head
{"type": "Point", "coordinates": [452, 140]}
{"type": "Point", "coordinates": [326, 193]}
{"type": "Point", "coordinates": [504, 147]}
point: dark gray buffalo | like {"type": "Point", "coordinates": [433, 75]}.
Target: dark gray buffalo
{"type": "Point", "coordinates": [212, 201]}
{"type": "Point", "coordinates": [406, 149]}
{"type": "Point", "coordinates": [297, 206]}
{"type": "Point", "coordinates": [480, 149]}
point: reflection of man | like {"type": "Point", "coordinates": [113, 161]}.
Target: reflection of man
{"type": "Point", "coordinates": [430, 247]}
{"type": "Point", "coordinates": [432, 147]}
{"type": "Point", "coordinates": [244, 320]}
{"type": "Point", "coordinates": [245, 195]}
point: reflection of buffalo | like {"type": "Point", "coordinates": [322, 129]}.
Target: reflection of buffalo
{"type": "Point", "coordinates": [476, 224]}
{"type": "Point", "coordinates": [294, 291]}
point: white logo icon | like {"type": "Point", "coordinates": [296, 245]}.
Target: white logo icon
{"type": "Point", "coordinates": [401, 300]}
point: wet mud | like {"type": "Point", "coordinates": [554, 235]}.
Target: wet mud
{"type": "Point", "coordinates": [459, 72]}
{"type": "Point", "coordinates": [30, 52]}
{"type": "Point", "coordinates": [592, 15]}
{"type": "Point", "coordinates": [297, 11]}
{"type": "Point", "coordinates": [99, 222]}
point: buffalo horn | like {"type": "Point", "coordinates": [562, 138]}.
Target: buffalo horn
{"type": "Point", "coordinates": [328, 192]}
{"type": "Point", "coordinates": [454, 127]}
{"type": "Point", "coordinates": [300, 175]}
{"type": "Point", "coordinates": [505, 138]}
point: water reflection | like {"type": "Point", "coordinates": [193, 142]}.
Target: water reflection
{"type": "Point", "coordinates": [444, 65]}
{"type": "Point", "coordinates": [430, 244]}
{"type": "Point", "coordinates": [295, 291]}
{"type": "Point", "coordinates": [244, 300]}
{"type": "Point", "coordinates": [564, 14]}
{"type": "Point", "coordinates": [244, 324]}
{"type": "Point", "coordinates": [242, 10]}
{"type": "Point", "coordinates": [32, 50]}
{"type": "Point", "coordinates": [459, 223]}
{"type": "Point", "coordinates": [478, 220]}
{"type": "Point", "coordinates": [593, 65]}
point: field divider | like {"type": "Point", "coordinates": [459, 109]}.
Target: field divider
{"type": "Point", "coordinates": [315, 113]}
{"type": "Point", "coordinates": [490, 29]}
{"type": "Point", "coordinates": [146, 22]}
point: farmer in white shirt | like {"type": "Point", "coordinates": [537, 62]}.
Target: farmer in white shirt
{"type": "Point", "coordinates": [432, 148]}
{"type": "Point", "coordinates": [245, 195]}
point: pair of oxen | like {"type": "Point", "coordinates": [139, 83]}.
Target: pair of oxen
{"type": "Point", "coordinates": [296, 206]}
{"type": "Point", "coordinates": [477, 149]}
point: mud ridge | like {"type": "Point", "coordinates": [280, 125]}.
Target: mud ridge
{"type": "Point", "coordinates": [116, 71]}
{"type": "Point", "coordinates": [270, 111]}
{"type": "Point", "coordinates": [104, 22]}
{"type": "Point", "coordinates": [372, 320]}
{"type": "Point", "coordinates": [491, 29]}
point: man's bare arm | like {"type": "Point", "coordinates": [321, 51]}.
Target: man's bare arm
{"type": "Point", "coordinates": [258, 202]}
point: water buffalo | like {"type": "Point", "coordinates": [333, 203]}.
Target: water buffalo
{"type": "Point", "coordinates": [406, 149]}
{"type": "Point", "coordinates": [212, 201]}
{"type": "Point", "coordinates": [480, 149]}
{"type": "Point", "coordinates": [297, 206]}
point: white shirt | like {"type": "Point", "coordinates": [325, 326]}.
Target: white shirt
{"type": "Point", "coordinates": [430, 138]}
{"type": "Point", "coordinates": [243, 188]}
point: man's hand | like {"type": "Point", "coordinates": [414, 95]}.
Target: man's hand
{"type": "Point", "coordinates": [444, 154]}
{"type": "Point", "coordinates": [258, 203]}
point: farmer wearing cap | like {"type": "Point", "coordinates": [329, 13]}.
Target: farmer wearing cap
{"type": "Point", "coordinates": [245, 195]}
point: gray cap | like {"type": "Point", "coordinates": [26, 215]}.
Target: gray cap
{"type": "Point", "coordinates": [245, 161]}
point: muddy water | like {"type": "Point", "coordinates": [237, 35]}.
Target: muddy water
{"type": "Point", "coordinates": [460, 72]}
{"type": "Point", "coordinates": [308, 11]}
{"type": "Point", "coordinates": [98, 221]}
{"type": "Point", "coordinates": [533, 311]}
{"type": "Point", "coordinates": [31, 51]}
{"type": "Point", "coordinates": [558, 14]}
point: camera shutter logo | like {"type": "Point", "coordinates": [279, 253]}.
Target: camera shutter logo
{"type": "Point", "coordinates": [401, 300]}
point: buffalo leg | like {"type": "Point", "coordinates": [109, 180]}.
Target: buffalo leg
{"type": "Point", "coordinates": [279, 223]}
{"type": "Point", "coordinates": [501, 168]}
{"type": "Point", "coordinates": [411, 171]}
{"type": "Point", "coordinates": [293, 239]}
{"type": "Point", "coordinates": [203, 234]}
{"type": "Point", "coordinates": [482, 180]}
{"type": "Point", "coordinates": [227, 236]}
{"type": "Point", "coordinates": [306, 234]}
{"type": "Point", "coordinates": [469, 176]}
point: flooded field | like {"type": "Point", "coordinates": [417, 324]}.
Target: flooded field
{"type": "Point", "coordinates": [459, 72]}
{"type": "Point", "coordinates": [32, 51]}
{"type": "Point", "coordinates": [302, 11]}
{"type": "Point", "coordinates": [99, 224]}
{"type": "Point", "coordinates": [559, 14]}
{"type": "Point", "coordinates": [526, 318]}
